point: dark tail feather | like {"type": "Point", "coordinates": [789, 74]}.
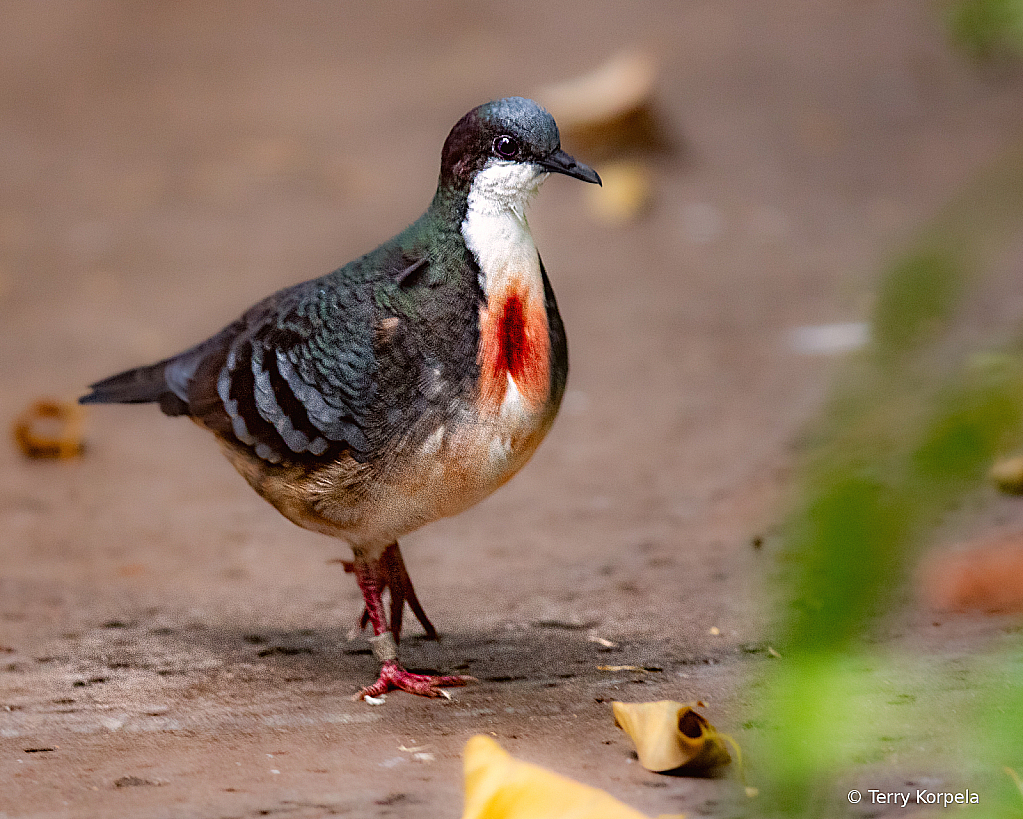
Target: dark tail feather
{"type": "Point", "coordinates": [143, 385]}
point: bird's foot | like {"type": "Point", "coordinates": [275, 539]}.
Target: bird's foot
{"type": "Point", "coordinates": [394, 677]}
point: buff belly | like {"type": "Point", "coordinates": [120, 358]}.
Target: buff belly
{"type": "Point", "coordinates": [456, 467]}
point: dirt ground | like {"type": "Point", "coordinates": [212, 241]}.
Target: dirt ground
{"type": "Point", "coordinates": [171, 646]}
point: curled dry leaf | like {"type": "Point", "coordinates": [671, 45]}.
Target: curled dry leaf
{"type": "Point", "coordinates": [50, 429]}
{"type": "Point", "coordinates": [670, 736]}
{"type": "Point", "coordinates": [613, 90]}
{"type": "Point", "coordinates": [498, 786]}
{"type": "Point", "coordinates": [609, 109]}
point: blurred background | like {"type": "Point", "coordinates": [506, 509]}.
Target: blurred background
{"type": "Point", "coordinates": [805, 261]}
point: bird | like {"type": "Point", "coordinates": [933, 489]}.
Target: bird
{"type": "Point", "coordinates": [403, 387]}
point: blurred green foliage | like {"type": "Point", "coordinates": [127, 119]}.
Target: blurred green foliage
{"type": "Point", "coordinates": [912, 428]}
{"type": "Point", "coordinates": [988, 27]}
{"type": "Point", "coordinates": [916, 298]}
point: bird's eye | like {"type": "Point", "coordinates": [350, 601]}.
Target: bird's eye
{"type": "Point", "coordinates": [506, 147]}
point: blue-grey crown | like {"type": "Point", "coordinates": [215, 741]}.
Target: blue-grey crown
{"type": "Point", "coordinates": [523, 118]}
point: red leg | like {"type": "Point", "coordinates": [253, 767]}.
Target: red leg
{"type": "Point", "coordinates": [397, 581]}
{"type": "Point", "coordinates": [373, 578]}
{"type": "Point", "coordinates": [402, 591]}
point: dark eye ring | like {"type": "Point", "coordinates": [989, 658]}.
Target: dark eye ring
{"type": "Point", "coordinates": [506, 147]}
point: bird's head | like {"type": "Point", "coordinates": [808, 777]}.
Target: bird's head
{"type": "Point", "coordinates": [504, 149]}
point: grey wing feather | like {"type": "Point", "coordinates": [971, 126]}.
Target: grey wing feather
{"type": "Point", "coordinates": [297, 380]}
{"type": "Point", "coordinates": [294, 377]}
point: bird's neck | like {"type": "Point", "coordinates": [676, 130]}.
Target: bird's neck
{"type": "Point", "coordinates": [495, 229]}
{"type": "Point", "coordinates": [514, 346]}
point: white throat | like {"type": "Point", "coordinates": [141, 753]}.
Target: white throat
{"type": "Point", "coordinates": [495, 227]}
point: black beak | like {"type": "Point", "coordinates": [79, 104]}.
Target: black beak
{"type": "Point", "coordinates": [560, 162]}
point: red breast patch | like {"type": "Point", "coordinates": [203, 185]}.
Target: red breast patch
{"type": "Point", "coordinates": [514, 341]}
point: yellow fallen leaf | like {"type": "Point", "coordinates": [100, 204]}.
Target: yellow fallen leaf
{"type": "Point", "coordinates": [498, 786]}
{"type": "Point", "coordinates": [671, 735]}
